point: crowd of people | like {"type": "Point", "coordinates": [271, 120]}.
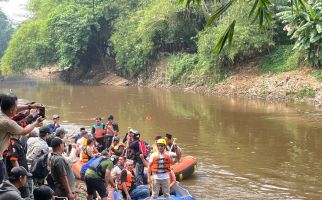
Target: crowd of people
{"type": "Point", "coordinates": [36, 159]}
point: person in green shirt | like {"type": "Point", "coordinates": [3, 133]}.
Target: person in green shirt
{"type": "Point", "coordinates": [98, 176]}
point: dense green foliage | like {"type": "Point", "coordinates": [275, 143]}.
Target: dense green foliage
{"type": "Point", "coordinates": [162, 26]}
{"type": "Point", "coordinates": [281, 59]}
{"type": "Point", "coordinates": [248, 41]}
{"type": "Point", "coordinates": [5, 33]}
{"type": "Point", "coordinates": [29, 47]}
{"type": "Point", "coordinates": [180, 67]}
{"type": "Point", "coordinates": [71, 33]}
{"type": "Point", "coordinates": [304, 24]}
{"type": "Point", "coordinates": [130, 36]}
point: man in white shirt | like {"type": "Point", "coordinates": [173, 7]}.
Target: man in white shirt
{"type": "Point", "coordinates": [159, 169]}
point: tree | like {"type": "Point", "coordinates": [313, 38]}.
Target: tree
{"type": "Point", "coordinates": [5, 33]}
{"type": "Point", "coordinates": [261, 13]}
{"type": "Point", "coordinates": [304, 25]}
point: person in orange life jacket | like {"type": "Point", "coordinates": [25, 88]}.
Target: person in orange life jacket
{"type": "Point", "coordinates": [112, 129]}
{"type": "Point", "coordinates": [154, 146]}
{"type": "Point", "coordinates": [127, 183]}
{"type": "Point", "coordinates": [173, 147]}
{"type": "Point", "coordinates": [98, 131]}
{"type": "Point", "coordinates": [89, 151]}
{"type": "Point", "coordinates": [117, 148]}
{"type": "Point", "coordinates": [158, 170]}
{"type": "Point", "coordinates": [82, 142]}
{"type": "Point", "coordinates": [135, 147]}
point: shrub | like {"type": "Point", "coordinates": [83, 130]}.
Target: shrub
{"type": "Point", "coordinates": [281, 59]}
{"type": "Point", "coordinates": [28, 48]}
{"type": "Point", "coordinates": [180, 65]}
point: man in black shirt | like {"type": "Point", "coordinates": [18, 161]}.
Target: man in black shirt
{"type": "Point", "coordinates": [17, 157]}
{"type": "Point", "coordinates": [139, 165]}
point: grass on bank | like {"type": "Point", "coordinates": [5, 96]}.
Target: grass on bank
{"type": "Point", "coordinates": [281, 59]}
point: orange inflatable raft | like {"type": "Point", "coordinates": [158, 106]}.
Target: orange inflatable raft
{"type": "Point", "coordinates": [183, 169]}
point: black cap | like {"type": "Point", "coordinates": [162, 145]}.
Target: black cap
{"type": "Point", "coordinates": [110, 117]}
{"type": "Point", "coordinates": [82, 129]}
{"type": "Point", "coordinates": [136, 135]}
{"type": "Point", "coordinates": [98, 118]}
{"type": "Point", "coordinates": [43, 193]}
{"type": "Point", "coordinates": [44, 129]}
{"type": "Point", "coordinates": [168, 135]}
{"type": "Point", "coordinates": [16, 172]}
{"type": "Point", "coordinates": [60, 131]}
{"type": "Point", "coordinates": [55, 142]}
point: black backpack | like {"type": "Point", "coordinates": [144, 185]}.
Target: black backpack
{"type": "Point", "coordinates": [39, 166]}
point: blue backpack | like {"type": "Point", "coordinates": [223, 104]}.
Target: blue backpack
{"type": "Point", "coordinates": [95, 164]}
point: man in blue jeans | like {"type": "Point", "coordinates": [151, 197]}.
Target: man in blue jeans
{"type": "Point", "coordinates": [127, 184]}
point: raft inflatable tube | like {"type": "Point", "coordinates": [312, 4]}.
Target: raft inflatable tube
{"type": "Point", "coordinates": [180, 193]}
{"type": "Point", "coordinates": [183, 170]}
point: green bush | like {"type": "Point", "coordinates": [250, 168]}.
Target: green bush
{"type": "Point", "coordinates": [306, 92]}
{"type": "Point", "coordinates": [180, 65]}
{"type": "Point", "coordinates": [281, 59]}
{"type": "Point", "coordinates": [248, 41]}
{"type": "Point", "coordinates": [28, 48]}
{"type": "Point", "coordinates": [6, 32]}
{"type": "Point", "coordinates": [161, 26]}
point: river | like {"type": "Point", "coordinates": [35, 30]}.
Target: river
{"type": "Point", "coordinates": [246, 149]}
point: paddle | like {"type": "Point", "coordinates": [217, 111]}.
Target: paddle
{"type": "Point", "coordinates": [173, 143]}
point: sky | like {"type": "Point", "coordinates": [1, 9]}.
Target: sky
{"type": "Point", "coordinates": [15, 10]}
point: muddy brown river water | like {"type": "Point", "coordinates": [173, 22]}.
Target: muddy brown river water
{"type": "Point", "coordinates": [246, 149]}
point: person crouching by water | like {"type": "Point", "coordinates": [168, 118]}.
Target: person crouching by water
{"type": "Point", "coordinates": [9, 189]}
{"type": "Point", "coordinates": [128, 185]}
{"type": "Point", "coordinates": [98, 131]}
{"type": "Point", "coordinates": [159, 168]}
{"type": "Point", "coordinates": [98, 176]}
{"type": "Point", "coordinates": [61, 172]}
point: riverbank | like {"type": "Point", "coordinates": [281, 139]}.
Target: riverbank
{"type": "Point", "coordinates": [298, 86]}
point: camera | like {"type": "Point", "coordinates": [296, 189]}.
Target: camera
{"type": "Point", "coordinates": [42, 112]}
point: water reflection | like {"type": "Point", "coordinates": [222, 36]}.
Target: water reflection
{"type": "Point", "coordinates": [247, 149]}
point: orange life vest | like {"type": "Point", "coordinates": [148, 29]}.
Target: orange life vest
{"type": "Point", "coordinates": [116, 147]}
{"type": "Point", "coordinates": [129, 181]}
{"type": "Point", "coordinates": [84, 153]}
{"type": "Point", "coordinates": [161, 164]}
{"type": "Point", "coordinates": [99, 130]}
